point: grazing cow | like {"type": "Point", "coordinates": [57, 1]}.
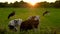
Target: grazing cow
{"type": "Point", "coordinates": [46, 12]}
{"type": "Point", "coordinates": [14, 23]}
{"type": "Point", "coordinates": [31, 23]}
{"type": "Point", "coordinates": [11, 14]}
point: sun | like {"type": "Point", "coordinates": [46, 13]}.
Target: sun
{"type": "Point", "coordinates": [32, 2]}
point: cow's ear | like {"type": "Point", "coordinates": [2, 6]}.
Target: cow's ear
{"type": "Point", "coordinates": [36, 18]}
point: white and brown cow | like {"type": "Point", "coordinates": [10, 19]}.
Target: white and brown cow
{"type": "Point", "coordinates": [31, 23]}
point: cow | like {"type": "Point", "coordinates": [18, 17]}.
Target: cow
{"type": "Point", "coordinates": [11, 14]}
{"type": "Point", "coordinates": [14, 23]}
{"type": "Point", "coordinates": [31, 23]}
{"type": "Point", "coordinates": [46, 12]}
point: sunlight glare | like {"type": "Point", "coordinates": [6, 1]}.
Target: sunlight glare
{"type": "Point", "coordinates": [32, 2]}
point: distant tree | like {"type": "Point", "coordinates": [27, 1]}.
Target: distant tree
{"type": "Point", "coordinates": [10, 5]}
{"type": "Point", "coordinates": [4, 4]}
{"type": "Point", "coordinates": [51, 4]}
{"type": "Point", "coordinates": [44, 4]}
{"type": "Point", "coordinates": [47, 4]}
{"type": "Point", "coordinates": [15, 4]}
{"type": "Point", "coordinates": [1, 4]}
{"type": "Point", "coordinates": [57, 4]}
{"type": "Point", "coordinates": [57, 0]}
{"type": "Point", "coordinates": [22, 4]}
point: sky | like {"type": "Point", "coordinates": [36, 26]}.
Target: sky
{"type": "Point", "coordinates": [29, 1]}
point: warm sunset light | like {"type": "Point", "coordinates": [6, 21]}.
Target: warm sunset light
{"type": "Point", "coordinates": [33, 2]}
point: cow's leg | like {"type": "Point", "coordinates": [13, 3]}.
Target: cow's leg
{"type": "Point", "coordinates": [15, 28]}
{"type": "Point", "coordinates": [35, 30]}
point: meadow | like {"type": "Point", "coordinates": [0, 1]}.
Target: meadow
{"type": "Point", "coordinates": [49, 24]}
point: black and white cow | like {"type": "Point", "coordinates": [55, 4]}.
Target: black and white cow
{"type": "Point", "coordinates": [14, 23]}
{"type": "Point", "coordinates": [11, 14]}
{"type": "Point", "coordinates": [31, 23]}
{"type": "Point", "coordinates": [46, 12]}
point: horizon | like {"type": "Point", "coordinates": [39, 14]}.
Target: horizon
{"type": "Point", "coordinates": [29, 1]}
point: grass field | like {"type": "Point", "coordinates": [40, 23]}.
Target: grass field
{"type": "Point", "coordinates": [49, 24]}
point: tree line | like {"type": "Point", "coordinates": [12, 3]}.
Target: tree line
{"type": "Point", "coordinates": [23, 4]}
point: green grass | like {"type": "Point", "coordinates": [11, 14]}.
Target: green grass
{"type": "Point", "coordinates": [48, 23]}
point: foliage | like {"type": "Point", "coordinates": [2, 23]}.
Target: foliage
{"type": "Point", "coordinates": [23, 4]}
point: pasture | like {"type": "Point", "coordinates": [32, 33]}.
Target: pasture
{"type": "Point", "coordinates": [48, 23]}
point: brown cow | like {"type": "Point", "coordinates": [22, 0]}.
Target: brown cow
{"type": "Point", "coordinates": [31, 23]}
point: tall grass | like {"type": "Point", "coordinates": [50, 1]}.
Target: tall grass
{"type": "Point", "coordinates": [49, 24]}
